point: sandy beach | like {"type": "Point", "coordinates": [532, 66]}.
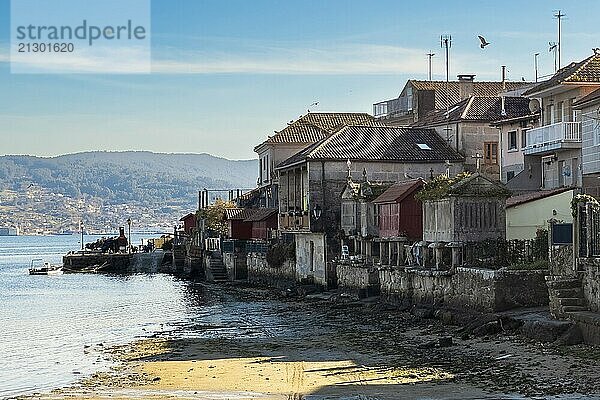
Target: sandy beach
{"type": "Point", "coordinates": [317, 349]}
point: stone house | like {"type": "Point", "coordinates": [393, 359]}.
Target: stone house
{"type": "Point", "coordinates": [556, 145]}
{"type": "Point", "coordinates": [466, 127]}
{"type": "Point", "coordinates": [589, 114]}
{"type": "Point", "coordinates": [297, 135]}
{"type": "Point", "coordinates": [312, 181]}
{"type": "Point", "coordinates": [418, 98]}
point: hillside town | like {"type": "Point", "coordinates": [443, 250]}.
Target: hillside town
{"type": "Point", "coordinates": [463, 194]}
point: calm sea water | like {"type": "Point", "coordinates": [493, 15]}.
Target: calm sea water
{"type": "Point", "coordinates": [51, 327]}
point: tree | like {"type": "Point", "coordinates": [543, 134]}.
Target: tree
{"type": "Point", "coordinates": [214, 216]}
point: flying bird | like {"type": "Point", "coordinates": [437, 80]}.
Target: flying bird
{"type": "Point", "coordinates": [483, 41]}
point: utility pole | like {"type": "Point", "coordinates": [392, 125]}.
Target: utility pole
{"type": "Point", "coordinates": [535, 65]}
{"type": "Point", "coordinates": [559, 15]}
{"type": "Point", "coordinates": [446, 43]}
{"type": "Point", "coordinates": [430, 56]}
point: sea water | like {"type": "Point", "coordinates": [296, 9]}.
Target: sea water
{"type": "Point", "coordinates": [53, 328]}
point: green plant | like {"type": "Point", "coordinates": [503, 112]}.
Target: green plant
{"type": "Point", "coordinates": [213, 216]}
{"type": "Point", "coordinates": [534, 265]}
{"type": "Point", "coordinates": [583, 199]}
{"type": "Point", "coordinates": [439, 186]}
{"type": "Point", "coordinates": [278, 253]}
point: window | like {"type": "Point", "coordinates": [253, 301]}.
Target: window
{"type": "Point", "coordinates": [512, 140]}
{"type": "Point", "coordinates": [523, 138]}
{"type": "Point", "coordinates": [596, 133]}
{"type": "Point", "coordinates": [490, 150]}
{"type": "Point", "coordinates": [423, 146]}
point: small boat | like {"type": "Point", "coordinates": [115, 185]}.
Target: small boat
{"type": "Point", "coordinates": [45, 269]}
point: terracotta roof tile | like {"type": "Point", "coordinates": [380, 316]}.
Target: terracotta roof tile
{"type": "Point", "coordinates": [399, 190]}
{"type": "Point", "coordinates": [260, 214]}
{"type": "Point", "coordinates": [379, 143]}
{"type": "Point", "coordinates": [478, 108]}
{"type": "Point", "coordinates": [482, 88]}
{"type": "Point", "coordinates": [586, 71]}
{"type": "Point", "coordinates": [313, 127]}
{"type": "Point", "coordinates": [532, 196]}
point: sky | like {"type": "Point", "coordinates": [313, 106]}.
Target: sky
{"type": "Point", "coordinates": [225, 74]}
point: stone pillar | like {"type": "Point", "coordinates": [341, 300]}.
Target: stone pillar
{"type": "Point", "coordinates": [380, 253]}
{"type": "Point", "coordinates": [399, 248]}
{"type": "Point", "coordinates": [389, 253]}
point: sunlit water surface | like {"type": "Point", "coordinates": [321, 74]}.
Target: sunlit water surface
{"type": "Point", "coordinates": [52, 328]}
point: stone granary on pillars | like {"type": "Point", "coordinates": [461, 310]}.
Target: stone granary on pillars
{"type": "Point", "coordinates": [466, 127]}
{"type": "Point", "coordinates": [297, 135]}
{"type": "Point", "coordinates": [359, 218]}
{"type": "Point", "coordinates": [468, 208]}
{"type": "Point", "coordinates": [418, 98]}
{"type": "Point", "coordinates": [400, 221]}
{"type": "Point", "coordinates": [312, 181]}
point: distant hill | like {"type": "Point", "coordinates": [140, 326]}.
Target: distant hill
{"type": "Point", "coordinates": [128, 177]}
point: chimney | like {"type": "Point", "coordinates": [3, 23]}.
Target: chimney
{"type": "Point", "coordinates": [504, 78]}
{"type": "Point", "coordinates": [465, 85]}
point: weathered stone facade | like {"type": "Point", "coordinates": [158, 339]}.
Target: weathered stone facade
{"type": "Point", "coordinates": [259, 271]}
{"type": "Point", "coordinates": [468, 288]}
{"type": "Point", "coordinates": [356, 279]}
{"type": "Point", "coordinates": [591, 282]}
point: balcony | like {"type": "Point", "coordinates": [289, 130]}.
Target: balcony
{"type": "Point", "coordinates": [545, 139]}
{"type": "Point", "coordinates": [394, 107]}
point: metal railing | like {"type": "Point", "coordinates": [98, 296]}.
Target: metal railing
{"type": "Point", "coordinates": [560, 132]}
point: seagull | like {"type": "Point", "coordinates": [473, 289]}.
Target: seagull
{"type": "Point", "coordinates": [483, 41]}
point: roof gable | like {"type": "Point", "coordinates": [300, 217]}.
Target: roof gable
{"type": "Point", "coordinates": [399, 191]}
{"type": "Point", "coordinates": [585, 71]}
{"type": "Point", "coordinates": [313, 127]}
{"type": "Point", "coordinates": [478, 185]}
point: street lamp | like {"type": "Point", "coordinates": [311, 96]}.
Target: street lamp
{"type": "Point", "coordinates": [129, 225]}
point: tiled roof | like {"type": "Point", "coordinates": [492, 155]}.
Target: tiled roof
{"type": "Point", "coordinates": [479, 108]}
{"type": "Point", "coordinates": [378, 143]}
{"type": "Point", "coordinates": [595, 95]}
{"type": "Point", "coordinates": [399, 190]}
{"type": "Point", "coordinates": [260, 214]}
{"type": "Point", "coordinates": [532, 196]}
{"type": "Point", "coordinates": [479, 89]}
{"type": "Point", "coordinates": [586, 71]}
{"type": "Point", "coordinates": [190, 215]}
{"type": "Point", "coordinates": [238, 213]}
{"type": "Point", "coordinates": [313, 127]}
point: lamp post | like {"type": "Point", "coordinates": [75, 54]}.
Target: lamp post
{"type": "Point", "coordinates": [129, 241]}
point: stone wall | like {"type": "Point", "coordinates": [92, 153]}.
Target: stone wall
{"type": "Point", "coordinates": [468, 288]}
{"type": "Point", "coordinates": [235, 263]}
{"type": "Point", "coordinates": [260, 272]}
{"type": "Point", "coordinates": [360, 280]}
{"type": "Point", "coordinates": [561, 260]}
{"type": "Point", "coordinates": [591, 282]}
{"type": "Point", "coordinates": [310, 258]}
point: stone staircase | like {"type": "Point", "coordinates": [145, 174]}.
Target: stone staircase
{"type": "Point", "coordinates": [566, 296]}
{"type": "Point", "coordinates": [216, 271]}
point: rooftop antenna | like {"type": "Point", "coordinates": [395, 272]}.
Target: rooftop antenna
{"type": "Point", "coordinates": [552, 48]}
{"type": "Point", "coordinates": [430, 56]}
{"type": "Point", "coordinates": [559, 15]}
{"type": "Point", "coordinates": [446, 43]}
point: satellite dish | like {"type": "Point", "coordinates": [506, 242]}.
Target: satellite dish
{"type": "Point", "coordinates": [534, 106]}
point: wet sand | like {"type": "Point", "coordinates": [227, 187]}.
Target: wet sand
{"type": "Point", "coordinates": [263, 347]}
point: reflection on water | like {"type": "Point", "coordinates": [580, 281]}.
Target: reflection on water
{"type": "Point", "coordinates": [52, 328]}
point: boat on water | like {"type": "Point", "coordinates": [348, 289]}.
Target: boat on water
{"type": "Point", "coordinates": [39, 267]}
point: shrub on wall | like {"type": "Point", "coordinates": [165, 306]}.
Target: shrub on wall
{"type": "Point", "coordinates": [279, 253]}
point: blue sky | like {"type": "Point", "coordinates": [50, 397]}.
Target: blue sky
{"type": "Point", "coordinates": [228, 73]}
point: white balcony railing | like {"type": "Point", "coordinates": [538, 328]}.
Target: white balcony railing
{"type": "Point", "coordinates": [551, 137]}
